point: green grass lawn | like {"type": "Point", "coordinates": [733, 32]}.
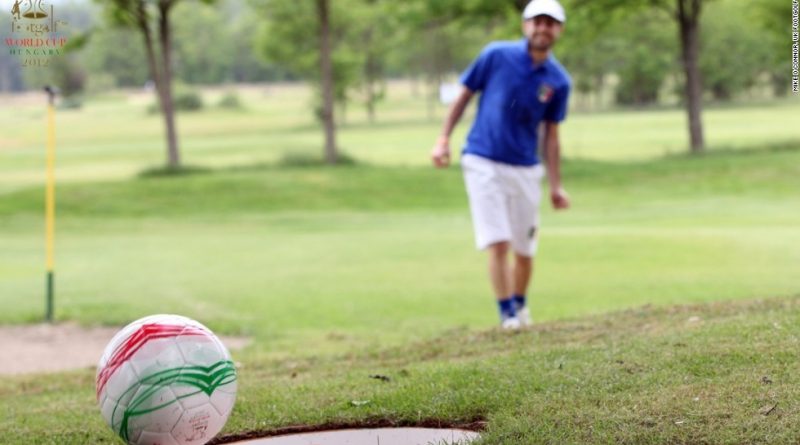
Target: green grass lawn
{"type": "Point", "coordinates": [115, 138]}
{"type": "Point", "coordinates": [338, 273]}
{"type": "Point", "coordinates": [379, 248]}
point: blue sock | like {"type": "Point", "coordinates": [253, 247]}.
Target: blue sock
{"type": "Point", "coordinates": [506, 308]}
{"type": "Point", "coordinates": [519, 301]}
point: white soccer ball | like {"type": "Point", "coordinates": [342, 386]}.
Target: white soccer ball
{"type": "Point", "coordinates": [166, 380]}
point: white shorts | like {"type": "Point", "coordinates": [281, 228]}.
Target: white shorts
{"type": "Point", "coordinates": [504, 201]}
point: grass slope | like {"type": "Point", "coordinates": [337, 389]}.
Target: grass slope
{"type": "Point", "coordinates": [712, 373]}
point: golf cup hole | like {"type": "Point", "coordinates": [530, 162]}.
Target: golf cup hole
{"type": "Point", "coordinates": [372, 436]}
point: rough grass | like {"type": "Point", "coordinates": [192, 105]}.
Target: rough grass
{"type": "Point", "coordinates": [699, 374]}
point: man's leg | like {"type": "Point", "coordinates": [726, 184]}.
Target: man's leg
{"type": "Point", "coordinates": [524, 210]}
{"type": "Point", "coordinates": [499, 275]}
{"type": "Point", "coordinates": [523, 269]}
{"type": "Point", "coordinates": [499, 269]}
{"type": "Point", "coordinates": [488, 204]}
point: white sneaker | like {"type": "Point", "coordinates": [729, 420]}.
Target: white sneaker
{"type": "Point", "coordinates": [524, 316]}
{"type": "Point", "coordinates": [511, 323]}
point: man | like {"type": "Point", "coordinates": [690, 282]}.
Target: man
{"type": "Point", "coordinates": [15, 9]}
{"type": "Point", "coordinates": [522, 85]}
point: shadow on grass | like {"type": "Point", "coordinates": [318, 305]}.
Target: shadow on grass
{"type": "Point", "coordinates": [689, 158]}
{"type": "Point", "coordinates": [577, 167]}
{"type": "Point", "coordinates": [305, 160]}
{"type": "Point", "coordinates": [736, 104]}
{"type": "Point", "coordinates": [170, 172]}
{"type": "Point", "coordinates": [788, 145]}
{"type": "Point", "coordinates": [289, 160]}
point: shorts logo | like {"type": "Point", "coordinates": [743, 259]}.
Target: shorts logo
{"type": "Point", "coordinates": [531, 232]}
{"type": "Point", "coordinates": [545, 93]}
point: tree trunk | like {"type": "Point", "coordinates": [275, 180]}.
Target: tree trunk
{"type": "Point", "coordinates": [779, 83]}
{"type": "Point", "coordinates": [599, 86]}
{"type": "Point", "coordinates": [372, 71]}
{"type": "Point", "coordinates": [326, 77]}
{"type": "Point", "coordinates": [167, 105]}
{"type": "Point", "coordinates": [342, 111]}
{"type": "Point", "coordinates": [371, 76]}
{"type": "Point", "coordinates": [370, 104]}
{"type": "Point", "coordinates": [414, 85]}
{"type": "Point", "coordinates": [431, 97]}
{"type": "Point", "coordinates": [689, 24]}
{"type": "Point", "coordinates": [152, 63]}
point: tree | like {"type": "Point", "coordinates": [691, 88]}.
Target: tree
{"type": "Point", "coordinates": [373, 40]}
{"type": "Point", "coordinates": [203, 49]}
{"type": "Point", "coordinates": [151, 18]}
{"type": "Point", "coordinates": [11, 70]}
{"type": "Point", "coordinates": [687, 15]}
{"type": "Point", "coordinates": [453, 32]}
{"type": "Point", "coordinates": [321, 50]}
{"type": "Point", "coordinates": [645, 59]}
{"type": "Point", "coordinates": [774, 18]}
{"type": "Point", "coordinates": [734, 53]}
{"type": "Point", "coordinates": [118, 53]}
{"type": "Point", "coordinates": [68, 74]}
{"type": "Point", "coordinates": [326, 77]}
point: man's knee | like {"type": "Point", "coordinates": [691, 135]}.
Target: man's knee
{"type": "Point", "coordinates": [499, 249]}
{"type": "Point", "coordinates": [523, 260]}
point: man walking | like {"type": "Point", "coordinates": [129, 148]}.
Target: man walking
{"type": "Point", "coordinates": [522, 85]}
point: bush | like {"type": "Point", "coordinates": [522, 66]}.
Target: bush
{"type": "Point", "coordinates": [70, 103]}
{"type": "Point", "coordinates": [187, 100]}
{"type": "Point", "coordinates": [230, 100]}
{"type": "Point", "coordinates": [183, 99]}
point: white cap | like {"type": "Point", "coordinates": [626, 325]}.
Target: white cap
{"type": "Point", "coordinates": [544, 7]}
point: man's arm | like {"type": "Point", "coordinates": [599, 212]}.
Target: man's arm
{"type": "Point", "coordinates": [552, 151]}
{"type": "Point", "coordinates": [440, 155]}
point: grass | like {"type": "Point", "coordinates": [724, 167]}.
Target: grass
{"type": "Point", "coordinates": [117, 139]}
{"type": "Point", "coordinates": [368, 268]}
{"type": "Point", "coordinates": [713, 373]}
{"type": "Point", "coordinates": [236, 246]}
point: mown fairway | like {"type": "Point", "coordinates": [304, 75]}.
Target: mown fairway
{"type": "Point", "coordinates": [113, 137]}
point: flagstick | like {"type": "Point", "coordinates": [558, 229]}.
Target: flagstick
{"type": "Point", "coordinates": [50, 202]}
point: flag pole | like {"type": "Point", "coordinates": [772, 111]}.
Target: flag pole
{"type": "Point", "coordinates": [50, 202]}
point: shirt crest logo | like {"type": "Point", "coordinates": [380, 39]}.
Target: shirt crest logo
{"type": "Point", "coordinates": [545, 93]}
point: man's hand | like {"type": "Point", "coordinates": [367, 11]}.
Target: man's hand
{"type": "Point", "coordinates": [440, 154]}
{"type": "Point", "coordinates": [559, 198]}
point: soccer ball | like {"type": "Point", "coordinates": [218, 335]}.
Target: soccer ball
{"type": "Point", "coordinates": [166, 380]}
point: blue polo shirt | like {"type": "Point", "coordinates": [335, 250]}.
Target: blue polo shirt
{"type": "Point", "coordinates": [515, 98]}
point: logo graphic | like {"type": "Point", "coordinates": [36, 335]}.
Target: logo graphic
{"type": "Point", "coordinates": [532, 232]}
{"type": "Point", "coordinates": [545, 93]}
{"type": "Point", "coordinates": [35, 36]}
{"type": "Point", "coordinates": [33, 9]}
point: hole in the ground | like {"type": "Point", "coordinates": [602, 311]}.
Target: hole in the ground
{"type": "Point", "coordinates": [372, 436]}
